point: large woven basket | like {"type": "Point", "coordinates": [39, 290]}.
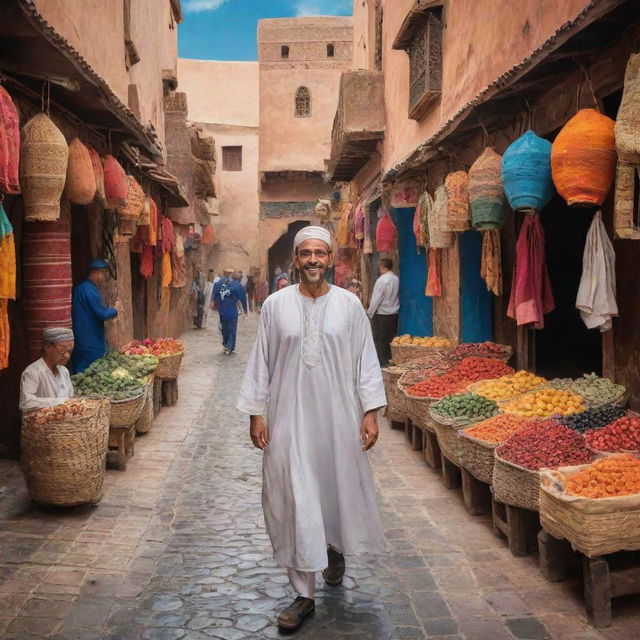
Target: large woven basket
{"type": "Point", "coordinates": [393, 393]}
{"type": "Point", "coordinates": [418, 411]}
{"type": "Point", "coordinates": [126, 412]}
{"type": "Point", "coordinates": [448, 438]}
{"type": "Point", "coordinates": [476, 456]}
{"type": "Point", "coordinates": [402, 352]}
{"type": "Point", "coordinates": [595, 527]}
{"type": "Point", "coordinates": [515, 485]}
{"type": "Point", "coordinates": [169, 366]}
{"type": "Point", "coordinates": [64, 462]}
{"type": "Point", "coordinates": [144, 422]}
{"type": "Point", "coordinates": [505, 353]}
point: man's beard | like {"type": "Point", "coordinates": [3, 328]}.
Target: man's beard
{"type": "Point", "coordinates": [313, 277]}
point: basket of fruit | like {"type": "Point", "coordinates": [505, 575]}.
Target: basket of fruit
{"type": "Point", "coordinates": [546, 444]}
{"type": "Point", "coordinates": [507, 387]}
{"type": "Point", "coordinates": [169, 353]}
{"type": "Point", "coordinates": [621, 435]}
{"type": "Point", "coordinates": [596, 507]}
{"type": "Point", "coordinates": [476, 443]}
{"type": "Point", "coordinates": [545, 402]}
{"type": "Point", "coordinates": [451, 413]}
{"type": "Point", "coordinates": [598, 391]}
{"type": "Point", "coordinates": [483, 350]}
{"type": "Point", "coordinates": [408, 347]}
{"type": "Point", "coordinates": [390, 377]}
{"type": "Point", "coordinates": [64, 450]}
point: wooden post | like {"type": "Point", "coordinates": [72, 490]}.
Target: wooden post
{"type": "Point", "coordinates": [431, 450]}
{"type": "Point", "coordinates": [395, 424]}
{"type": "Point", "coordinates": [554, 555]}
{"type": "Point", "coordinates": [169, 392]}
{"type": "Point", "coordinates": [408, 428]}
{"type": "Point", "coordinates": [157, 396]}
{"type": "Point", "coordinates": [476, 494]}
{"type": "Point", "coordinates": [416, 438]}
{"type": "Point", "coordinates": [450, 473]}
{"type": "Point", "coordinates": [597, 591]}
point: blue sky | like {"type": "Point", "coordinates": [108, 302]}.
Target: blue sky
{"type": "Point", "coordinates": [226, 29]}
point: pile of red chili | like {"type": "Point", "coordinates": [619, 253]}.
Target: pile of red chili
{"type": "Point", "coordinates": [621, 435]}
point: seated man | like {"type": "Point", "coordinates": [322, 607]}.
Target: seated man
{"type": "Point", "coordinates": [46, 382]}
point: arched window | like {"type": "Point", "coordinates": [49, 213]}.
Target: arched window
{"type": "Point", "coordinates": [331, 51]}
{"type": "Point", "coordinates": [284, 51]}
{"type": "Point", "coordinates": [303, 102]}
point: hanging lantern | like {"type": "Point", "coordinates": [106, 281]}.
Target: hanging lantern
{"type": "Point", "coordinates": [386, 234]}
{"type": "Point", "coordinates": [583, 158]}
{"type": "Point", "coordinates": [134, 204]}
{"type": "Point", "coordinates": [526, 173]}
{"type": "Point", "coordinates": [9, 144]}
{"type": "Point", "coordinates": [43, 168]}
{"type": "Point", "coordinates": [486, 192]}
{"type": "Point", "coordinates": [456, 185]}
{"type": "Point", "coordinates": [81, 180]}
{"type": "Point", "coordinates": [98, 173]}
{"type": "Point", "coordinates": [115, 183]}
{"type": "Point", "coordinates": [440, 237]}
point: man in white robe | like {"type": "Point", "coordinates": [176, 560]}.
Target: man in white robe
{"type": "Point", "coordinates": [313, 387]}
{"type": "Point", "coordinates": [46, 382]}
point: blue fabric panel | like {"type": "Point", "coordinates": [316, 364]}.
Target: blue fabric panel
{"type": "Point", "coordinates": [475, 300]}
{"type": "Point", "coordinates": [416, 309]}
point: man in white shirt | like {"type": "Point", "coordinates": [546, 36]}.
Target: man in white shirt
{"type": "Point", "coordinates": [46, 382]}
{"type": "Point", "coordinates": [383, 310]}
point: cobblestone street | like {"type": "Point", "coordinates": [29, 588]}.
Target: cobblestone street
{"type": "Point", "coordinates": [177, 549]}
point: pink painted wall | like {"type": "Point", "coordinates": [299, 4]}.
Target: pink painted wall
{"type": "Point", "coordinates": [482, 40]}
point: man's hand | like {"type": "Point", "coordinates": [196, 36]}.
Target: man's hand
{"type": "Point", "coordinates": [117, 305]}
{"type": "Point", "coordinates": [259, 432]}
{"type": "Point", "coordinates": [369, 430]}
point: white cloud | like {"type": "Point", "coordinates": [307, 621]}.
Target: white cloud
{"type": "Point", "coordinates": [322, 7]}
{"type": "Point", "coordinates": [196, 6]}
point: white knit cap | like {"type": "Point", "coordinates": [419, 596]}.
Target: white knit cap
{"type": "Point", "coordinates": [57, 334]}
{"type": "Point", "coordinates": [312, 233]}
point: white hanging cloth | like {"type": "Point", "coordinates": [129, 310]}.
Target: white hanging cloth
{"type": "Point", "coordinates": [596, 298]}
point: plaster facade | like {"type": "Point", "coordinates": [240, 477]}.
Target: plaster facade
{"type": "Point", "coordinates": [231, 116]}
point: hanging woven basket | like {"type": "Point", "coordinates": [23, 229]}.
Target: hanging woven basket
{"type": "Point", "coordinates": [627, 127]}
{"type": "Point", "coordinates": [456, 186]}
{"type": "Point", "coordinates": [134, 204]}
{"type": "Point", "coordinates": [98, 173]}
{"type": "Point", "coordinates": [583, 158]}
{"type": "Point", "coordinates": [486, 191]}
{"type": "Point", "coordinates": [43, 168]}
{"type": "Point", "coordinates": [9, 144]}
{"type": "Point", "coordinates": [115, 183]}
{"type": "Point", "coordinates": [526, 172]}
{"type": "Point", "coordinates": [440, 237]}
{"type": "Point", "coordinates": [81, 179]}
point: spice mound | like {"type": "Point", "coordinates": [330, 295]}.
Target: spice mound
{"type": "Point", "coordinates": [507, 387]}
{"type": "Point", "coordinates": [546, 444]}
{"type": "Point", "coordinates": [482, 349]}
{"type": "Point", "coordinates": [414, 341]}
{"type": "Point", "coordinates": [465, 406]}
{"type": "Point", "coordinates": [545, 403]}
{"type": "Point", "coordinates": [593, 418]}
{"type": "Point", "coordinates": [605, 478]}
{"type": "Point", "coordinates": [499, 428]}
{"type": "Point", "coordinates": [621, 435]}
{"type": "Point", "coordinates": [69, 409]}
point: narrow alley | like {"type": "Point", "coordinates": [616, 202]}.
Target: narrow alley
{"type": "Point", "coordinates": [177, 548]}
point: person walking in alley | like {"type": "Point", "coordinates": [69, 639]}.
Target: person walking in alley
{"type": "Point", "coordinates": [262, 290]}
{"type": "Point", "coordinates": [383, 310]}
{"type": "Point", "coordinates": [312, 388]}
{"type": "Point", "coordinates": [89, 314]}
{"type": "Point", "coordinates": [227, 293]}
{"type": "Point", "coordinates": [250, 289]}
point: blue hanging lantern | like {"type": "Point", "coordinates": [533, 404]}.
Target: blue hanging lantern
{"type": "Point", "coordinates": [526, 172]}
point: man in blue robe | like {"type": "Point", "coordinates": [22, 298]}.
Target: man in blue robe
{"type": "Point", "coordinates": [227, 294]}
{"type": "Point", "coordinates": [89, 315]}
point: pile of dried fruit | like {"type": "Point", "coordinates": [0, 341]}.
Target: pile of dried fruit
{"type": "Point", "coordinates": [64, 411]}
{"type": "Point", "coordinates": [482, 349]}
{"type": "Point", "coordinates": [499, 428]}
{"type": "Point", "coordinates": [546, 444]}
{"type": "Point", "coordinates": [606, 478]}
{"type": "Point", "coordinates": [437, 386]}
{"type": "Point", "coordinates": [596, 390]}
{"type": "Point", "coordinates": [593, 418]}
{"type": "Point", "coordinates": [508, 386]}
{"type": "Point", "coordinates": [469, 406]}
{"type": "Point", "coordinates": [475, 368]}
{"type": "Point", "coordinates": [414, 341]}
{"type": "Point", "coordinates": [621, 435]}
{"type": "Point", "coordinates": [545, 403]}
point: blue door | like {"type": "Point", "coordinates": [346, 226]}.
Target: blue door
{"type": "Point", "coordinates": [475, 301]}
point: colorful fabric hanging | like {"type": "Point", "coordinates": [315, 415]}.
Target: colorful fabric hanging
{"type": "Point", "coordinates": [359, 227]}
{"type": "Point", "coordinates": [425, 203]}
{"type": "Point", "coordinates": [9, 144]}
{"type": "Point", "coordinates": [491, 263]}
{"type": "Point", "coordinates": [456, 185]}
{"type": "Point", "coordinates": [5, 334]}
{"type": "Point", "coordinates": [7, 258]}
{"type": "Point", "coordinates": [531, 295]}
{"type": "Point", "coordinates": [596, 298]}
{"type": "Point", "coordinates": [146, 261]}
{"type": "Point", "coordinates": [434, 278]}
{"type": "Point", "coordinates": [153, 221]}
{"type": "Point", "coordinates": [386, 234]}
{"type": "Point", "coordinates": [166, 269]}
{"type": "Point", "coordinates": [178, 263]}
{"type": "Point", "coordinates": [417, 229]}
{"type": "Point", "coordinates": [166, 240]}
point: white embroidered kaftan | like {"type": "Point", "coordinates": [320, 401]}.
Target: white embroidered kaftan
{"type": "Point", "coordinates": [313, 373]}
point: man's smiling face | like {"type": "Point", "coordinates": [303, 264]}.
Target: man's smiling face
{"type": "Point", "coordinates": [313, 259]}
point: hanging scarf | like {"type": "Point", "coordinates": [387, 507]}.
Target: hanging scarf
{"type": "Point", "coordinates": [7, 258]}
{"type": "Point", "coordinates": [531, 295]}
{"type": "Point", "coordinates": [424, 205]}
{"type": "Point", "coordinates": [491, 264]}
{"type": "Point", "coordinates": [596, 298]}
{"type": "Point", "coordinates": [434, 279]}
{"type": "Point", "coordinates": [5, 334]}
{"type": "Point", "coordinates": [153, 222]}
{"type": "Point", "coordinates": [359, 228]}
{"type": "Point", "coordinates": [166, 269]}
{"type": "Point", "coordinates": [146, 261]}
{"type": "Point", "coordinates": [417, 229]}
{"type": "Point", "coordinates": [178, 263]}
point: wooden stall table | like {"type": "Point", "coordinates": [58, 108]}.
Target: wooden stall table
{"type": "Point", "coordinates": [519, 526]}
{"type": "Point", "coordinates": [476, 494]}
{"type": "Point", "coordinates": [121, 446]}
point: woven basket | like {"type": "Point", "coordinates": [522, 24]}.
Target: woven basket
{"type": "Point", "coordinates": [476, 456]}
{"type": "Point", "coordinates": [145, 421]}
{"type": "Point", "coordinates": [126, 412]}
{"type": "Point", "coordinates": [403, 352]}
{"type": "Point", "coordinates": [505, 354]}
{"type": "Point", "coordinates": [64, 462]}
{"type": "Point", "coordinates": [169, 366]}
{"type": "Point", "coordinates": [393, 393]}
{"type": "Point", "coordinates": [515, 485]}
{"type": "Point", "coordinates": [418, 410]}
{"type": "Point", "coordinates": [456, 186]}
{"type": "Point", "coordinates": [440, 237]}
{"type": "Point", "coordinates": [448, 438]}
{"type": "Point", "coordinates": [593, 526]}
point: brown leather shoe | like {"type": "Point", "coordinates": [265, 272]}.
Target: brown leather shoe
{"type": "Point", "coordinates": [293, 616]}
{"type": "Point", "coordinates": [334, 573]}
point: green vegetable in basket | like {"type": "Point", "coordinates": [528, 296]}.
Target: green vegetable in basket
{"type": "Point", "coordinates": [465, 405]}
{"type": "Point", "coordinates": [597, 390]}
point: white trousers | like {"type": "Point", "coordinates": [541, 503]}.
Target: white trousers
{"type": "Point", "coordinates": [303, 582]}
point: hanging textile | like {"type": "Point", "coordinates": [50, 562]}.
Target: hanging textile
{"type": "Point", "coordinates": [7, 258]}
{"type": "Point", "coordinates": [153, 221]}
{"type": "Point", "coordinates": [166, 269]}
{"type": "Point", "coordinates": [386, 234]}
{"type": "Point", "coordinates": [596, 298]}
{"type": "Point", "coordinates": [417, 229]}
{"type": "Point", "coordinates": [456, 185]}
{"type": "Point", "coordinates": [486, 191]}
{"type": "Point", "coordinates": [434, 278]}
{"type": "Point", "coordinates": [178, 263]}
{"type": "Point", "coordinates": [5, 335]}
{"type": "Point", "coordinates": [531, 295]}
{"type": "Point", "coordinates": [146, 261]}
{"type": "Point", "coordinates": [425, 203]}
{"type": "Point", "coordinates": [491, 264]}
{"type": "Point", "coordinates": [166, 235]}
{"type": "Point", "coordinates": [9, 144]}
{"type": "Point", "coordinates": [359, 227]}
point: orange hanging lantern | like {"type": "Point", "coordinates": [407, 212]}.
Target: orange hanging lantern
{"type": "Point", "coordinates": [386, 234]}
{"type": "Point", "coordinates": [456, 186]}
{"type": "Point", "coordinates": [9, 144]}
{"type": "Point", "coordinates": [134, 204]}
{"type": "Point", "coordinates": [115, 183]}
{"type": "Point", "coordinates": [81, 179]}
{"type": "Point", "coordinates": [583, 158]}
{"type": "Point", "coordinates": [98, 173]}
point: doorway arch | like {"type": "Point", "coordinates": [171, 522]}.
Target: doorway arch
{"type": "Point", "coordinates": [279, 254]}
